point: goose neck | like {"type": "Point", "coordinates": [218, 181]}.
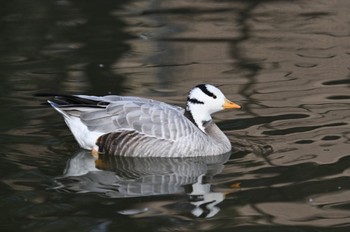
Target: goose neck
{"type": "Point", "coordinates": [200, 119]}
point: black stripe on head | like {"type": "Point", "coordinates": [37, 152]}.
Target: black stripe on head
{"type": "Point", "coordinates": [204, 89]}
{"type": "Point", "coordinates": [194, 101]}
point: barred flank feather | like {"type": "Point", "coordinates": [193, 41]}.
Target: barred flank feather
{"type": "Point", "coordinates": [130, 143]}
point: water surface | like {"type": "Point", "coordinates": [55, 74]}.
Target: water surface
{"type": "Point", "coordinates": [286, 62]}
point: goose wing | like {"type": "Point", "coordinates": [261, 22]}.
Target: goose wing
{"type": "Point", "coordinates": [148, 117]}
{"type": "Point", "coordinates": [117, 98]}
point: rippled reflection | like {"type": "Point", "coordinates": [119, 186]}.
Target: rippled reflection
{"type": "Point", "coordinates": [120, 177]}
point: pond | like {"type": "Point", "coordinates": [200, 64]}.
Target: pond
{"type": "Point", "coordinates": [286, 62]}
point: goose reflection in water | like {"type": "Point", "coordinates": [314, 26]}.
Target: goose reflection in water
{"type": "Point", "coordinates": [121, 177]}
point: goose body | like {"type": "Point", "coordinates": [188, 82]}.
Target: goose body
{"type": "Point", "coordinates": [134, 126]}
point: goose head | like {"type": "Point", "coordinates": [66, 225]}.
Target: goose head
{"type": "Point", "coordinates": [204, 100]}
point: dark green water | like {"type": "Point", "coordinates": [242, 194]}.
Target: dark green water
{"type": "Point", "coordinates": [286, 62]}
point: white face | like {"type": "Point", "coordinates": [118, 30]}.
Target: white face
{"type": "Point", "coordinates": [205, 99]}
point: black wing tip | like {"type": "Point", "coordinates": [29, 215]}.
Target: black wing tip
{"type": "Point", "coordinates": [65, 101]}
{"type": "Point", "coordinates": [45, 95]}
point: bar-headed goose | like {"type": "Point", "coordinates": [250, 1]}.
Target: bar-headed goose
{"type": "Point", "coordinates": [134, 126]}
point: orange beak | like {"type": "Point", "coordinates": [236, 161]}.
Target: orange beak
{"type": "Point", "coordinates": [230, 105]}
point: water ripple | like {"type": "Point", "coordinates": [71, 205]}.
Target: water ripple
{"type": "Point", "coordinates": [301, 129]}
